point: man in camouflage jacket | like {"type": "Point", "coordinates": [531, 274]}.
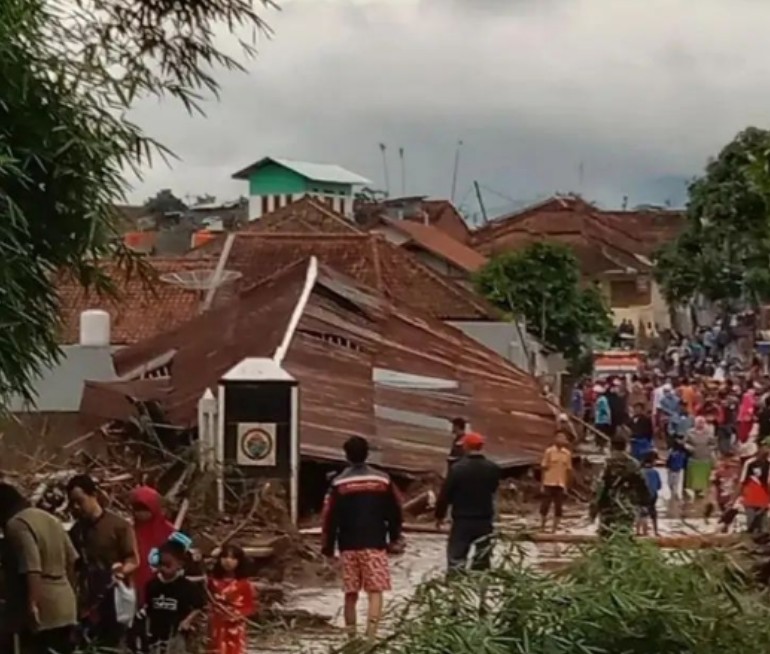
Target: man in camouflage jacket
{"type": "Point", "coordinates": [621, 492]}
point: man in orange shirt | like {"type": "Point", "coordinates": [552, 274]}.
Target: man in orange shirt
{"type": "Point", "coordinates": [556, 469]}
{"type": "Point", "coordinates": [689, 396]}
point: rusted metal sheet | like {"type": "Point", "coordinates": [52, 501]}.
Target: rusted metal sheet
{"type": "Point", "coordinates": [346, 341]}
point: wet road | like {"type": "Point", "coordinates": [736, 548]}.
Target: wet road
{"type": "Point", "coordinates": [425, 558]}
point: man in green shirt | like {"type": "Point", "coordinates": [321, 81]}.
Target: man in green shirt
{"type": "Point", "coordinates": [43, 560]}
{"type": "Point", "coordinates": [621, 493]}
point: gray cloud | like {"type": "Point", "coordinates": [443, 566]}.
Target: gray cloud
{"type": "Point", "coordinates": [635, 92]}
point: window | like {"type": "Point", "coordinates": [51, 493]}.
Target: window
{"type": "Point", "coordinates": [630, 292]}
{"type": "Point", "coordinates": [333, 339]}
{"type": "Point", "coordinates": [265, 204]}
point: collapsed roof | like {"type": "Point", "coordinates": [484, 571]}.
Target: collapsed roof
{"type": "Point", "coordinates": [365, 366]}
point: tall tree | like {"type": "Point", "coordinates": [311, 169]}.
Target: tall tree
{"type": "Point", "coordinates": [541, 284]}
{"type": "Point", "coordinates": [723, 254]}
{"type": "Point", "coordinates": [164, 201]}
{"type": "Point", "coordinates": [70, 72]}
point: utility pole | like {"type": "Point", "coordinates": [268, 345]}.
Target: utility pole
{"type": "Point", "coordinates": [383, 148]}
{"type": "Point", "coordinates": [581, 177]}
{"type": "Point", "coordinates": [403, 172]}
{"type": "Point", "coordinates": [456, 168]}
{"type": "Point", "coordinates": [481, 201]}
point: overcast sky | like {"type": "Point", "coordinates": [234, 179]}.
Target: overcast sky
{"type": "Point", "coordinates": [640, 92]}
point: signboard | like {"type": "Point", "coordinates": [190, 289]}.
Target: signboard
{"type": "Point", "coordinates": [256, 444]}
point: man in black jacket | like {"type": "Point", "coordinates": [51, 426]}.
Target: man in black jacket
{"type": "Point", "coordinates": [470, 489]}
{"type": "Point", "coordinates": [363, 519]}
{"type": "Point", "coordinates": [458, 433]}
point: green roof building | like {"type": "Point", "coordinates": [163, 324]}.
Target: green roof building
{"type": "Point", "coordinates": [274, 183]}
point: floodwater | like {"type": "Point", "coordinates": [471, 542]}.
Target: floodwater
{"type": "Point", "coordinates": [424, 558]}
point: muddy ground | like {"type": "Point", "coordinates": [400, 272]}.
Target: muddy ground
{"type": "Point", "coordinates": [317, 591]}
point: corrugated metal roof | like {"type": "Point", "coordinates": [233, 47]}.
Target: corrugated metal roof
{"type": "Point", "coordinates": [318, 172]}
{"type": "Point", "coordinates": [349, 340]}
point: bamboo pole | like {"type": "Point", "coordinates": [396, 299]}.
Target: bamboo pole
{"type": "Point", "coordinates": [671, 541]}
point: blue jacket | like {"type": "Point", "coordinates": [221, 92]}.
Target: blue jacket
{"type": "Point", "coordinates": [677, 460]}
{"type": "Point", "coordinates": [652, 477]}
{"type": "Point", "coordinates": [577, 404]}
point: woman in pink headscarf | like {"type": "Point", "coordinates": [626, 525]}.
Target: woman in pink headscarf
{"type": "Point", "coordinates": [746, 411]}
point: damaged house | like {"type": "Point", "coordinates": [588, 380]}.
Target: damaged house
{"type": "Point", "coordinates": [363, 365]}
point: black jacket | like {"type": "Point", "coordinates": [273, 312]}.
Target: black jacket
{"type": "Point", "coordinates": [618, 409]}
{"type": "Point", "coordinates": [470, 489]}
{"type": "Point", "coordinates": [641, 427]}
{"type": "Point", "coordinates": [362, 511]}
{"type": "Point", "coordinates": [456, 452]}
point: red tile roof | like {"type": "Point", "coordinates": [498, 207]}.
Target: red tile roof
{"type": "Point", "coordinates": [440, 244]}
{"type": "Point", "coordinates": [653, 228]}
{"type": "Point", "coordinates": [367, 258]}
{"type": "Point", "coordinates": [142, 308]}
{"type": "Point", "coordinates": [599, 243]}
{"type": "Point", "coordinates": [303, 216]}
{"type": "Point", "coordinates": [441, 214]}
{"type": "Point", "coordinates": [345, 332]}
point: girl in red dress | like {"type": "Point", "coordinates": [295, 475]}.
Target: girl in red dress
{"type": "Point", "coordinates": [232, 600]}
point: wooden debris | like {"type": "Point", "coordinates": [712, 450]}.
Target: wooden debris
{"type": "Point", "coordinates": [423, 502]}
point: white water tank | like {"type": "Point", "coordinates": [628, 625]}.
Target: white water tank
{"type": "Point", "coordinates": [95, 328]}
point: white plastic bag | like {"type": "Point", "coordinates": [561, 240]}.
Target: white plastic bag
{"type": "Point", "coordinates": [125, 604]}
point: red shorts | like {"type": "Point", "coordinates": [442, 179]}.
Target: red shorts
{"type": "Point", "coordinates": [366, 570]}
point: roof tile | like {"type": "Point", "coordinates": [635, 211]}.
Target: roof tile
{"type": "Point", "coordinates": [440, 244]}
{"type": "Point", "coordinates": [367, 258]}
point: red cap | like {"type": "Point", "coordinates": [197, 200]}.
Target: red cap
{"type": "Point", "coordinates": [473, 441]}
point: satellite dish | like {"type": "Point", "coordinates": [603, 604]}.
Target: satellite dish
{"type": "Point", "coordinates": [200, 280]}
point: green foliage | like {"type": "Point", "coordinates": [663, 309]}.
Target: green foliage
{"type": "Point", "coordinates": [724, 253]}
{"type": "Point", "coordinates": [622, 597]}
{"type": "Point", "coordinates": [70, 71]}
{"type": "Point", "coordinates": [164, 201]}
{"type": "Point", "coordinates": [542, 284]}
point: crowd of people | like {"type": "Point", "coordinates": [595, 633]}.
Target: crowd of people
{"type": "Point", "coordinates": [703, 417]}
{"type": "Point", "coordinates": [109, 583]}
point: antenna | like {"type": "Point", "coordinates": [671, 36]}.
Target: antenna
{"type": "Point", "coordinates": [454, 173]}
{"type": "Point", "coordinates": [481, 201]}
{"type": "Point", "coordinates": [383, 148]}
{"type": "Point", "coordinates": [625, 202]}
{"type": "Point", "coordinates": [203, 280]}
{"type": "Point", "coordinates": [403, 172]}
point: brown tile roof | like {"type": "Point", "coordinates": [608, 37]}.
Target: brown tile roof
{"type": "Point", "coordinates": [367, 258]}
{"type": "Point", "coordinates": [599, 243]}
{"type": "Point", "coordinates": [345, 333]}
{"type": "Point", "coordinates": [304, 216]}
{"type": "Point", "coordinates": [440, 244]}
{"type": "Point", "coordinates": [653, 228]}
{"type": "Point", "coordinates": [441, 214]}
{"type": "Point", "coordinates": [143, 307]}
